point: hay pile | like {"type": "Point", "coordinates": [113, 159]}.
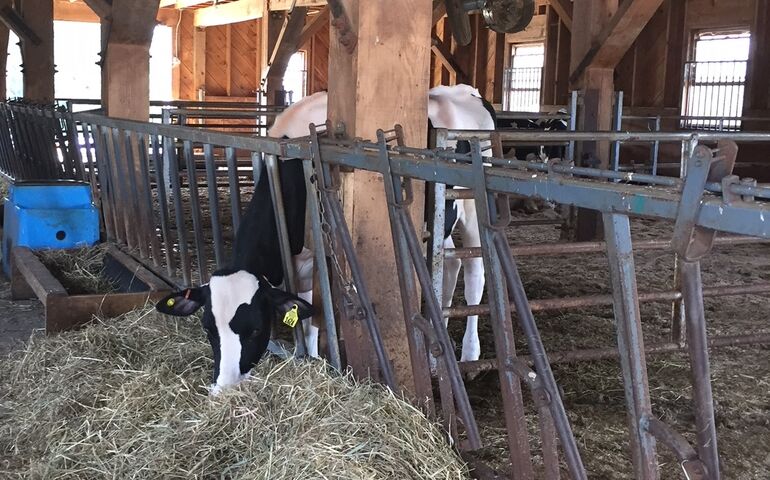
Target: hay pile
{"type": "Point", "coordinates": [80, 271]}
{"type": "Point", "coordinates": [127, 398]}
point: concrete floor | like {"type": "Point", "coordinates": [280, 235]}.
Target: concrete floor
{"type": "Point", "coordinates": [18, 319]}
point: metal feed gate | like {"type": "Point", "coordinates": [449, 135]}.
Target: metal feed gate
{"type": "Point", "coordinates": [124, 161]}
{"type": "Point", "coordinates": [709, 199]}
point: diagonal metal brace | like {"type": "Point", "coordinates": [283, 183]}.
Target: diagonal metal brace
{"type": "Point", "coordinates": [692, 467]}
{"type": "Point", "coordinates": [689, 240]}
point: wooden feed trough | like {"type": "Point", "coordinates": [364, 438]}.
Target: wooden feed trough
{"type": "Point", "coordinates": [137, 286]}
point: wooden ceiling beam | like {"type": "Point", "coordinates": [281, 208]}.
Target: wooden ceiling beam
{"type": "Point", "coordinates": [233, 12]}
{"type": "Point", "coordinates": [563, 9]}
{"type": "Point", "coordinates": [16, 23]}
{"type": "Point", "coordinates": [439, 10]}
{"type": "Point", "coordinates": [287, 42]}
{"type": "Point", "coordinates": [281, 5]}
{"type": "Point", "coordinates": [180, 4]}
{"type": "Point", "coordinates": [314, 25]}
{"type": "Point", "coordinates": [617, 37]}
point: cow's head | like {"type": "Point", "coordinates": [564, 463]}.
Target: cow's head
{"type": "Point", "coordinates": [237, 317]}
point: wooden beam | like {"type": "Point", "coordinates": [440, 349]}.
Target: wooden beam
{"type": "Point", "coordinates": [37, 59]}
{"type": "Point", "coordinates": [229, 59]}
{"type": "Point", "coordinates": [102, 8]}
{"type": "Point", "coordinates": [563, 9]}
{"type": "Point", "coordinates": [180, 4]}
{"type": "Point", "coordinates": [757, 95]}
{"type": "Point", "coordinates": [73, 12]}
{"type": "Point", "coordinates": [676, 41]}
{"type": "Point", "coordinates": [442, 53]}
{"type": "Point", "coordinates": [234, 12]}
{"type": "Point", "coordinates": [199, 63]}
{"type": "Point", "coordinates": [13, 20]}
{"type": "Point", "coordinates": [439, 10]}
{"type": "Point", "coordinates": [384, 81]}
{"type": "Point", "coordinates": [618, 35]}
{"type": "Point", "coordinates": [280, 5]}
{"type": "Point", "coordinates": [314, 25]}
{"type": "Point", "coordinates": [285, 47]}
{"type": "Point", "coordinates": [126, 58]}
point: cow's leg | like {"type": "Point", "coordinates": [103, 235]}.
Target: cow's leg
{"type": "Point", "coordinates": [473, 270]}
{"type": "Point", "coordinates": [303, 265]}
{"type": "Point", "coordinates": [449, 283]}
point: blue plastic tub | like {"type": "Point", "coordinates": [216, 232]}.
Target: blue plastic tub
{"type": "Point", "coordinates": [51, 215]}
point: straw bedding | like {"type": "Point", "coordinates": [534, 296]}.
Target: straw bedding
{"type": "Point", "coordinates": [127, 398]}
{"type": "Point", "coordinates": [80, 270]}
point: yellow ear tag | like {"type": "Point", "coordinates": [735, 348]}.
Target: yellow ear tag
{"type": "Point", "coordinates": [292, 316]}
{"type": "Point", "coordinates": [170, 302]}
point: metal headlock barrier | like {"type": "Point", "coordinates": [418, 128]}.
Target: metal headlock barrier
{"type": "Point", "coordinates": [168, 232]}
{"type": "Point", "coordinates": [709, 199]}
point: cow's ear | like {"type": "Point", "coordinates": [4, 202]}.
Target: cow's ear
{"type": "Point", "coordinates": [184, 302]}
{"type": "Point", "coordinates": [283, 302]}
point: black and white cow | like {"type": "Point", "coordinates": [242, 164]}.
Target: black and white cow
{"type": "Point", "coordinates": [240, 302]}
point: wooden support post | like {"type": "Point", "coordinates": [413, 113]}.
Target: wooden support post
{"type": "Point", "coordinates": [383, 82]}
{"type": "Point", "coordinates": [757, 90]}
{"type": "Point", "coordinates": [590, 16]}
{"type": "Point", "coordinates": [126, 37]}
{"type": "Point", "coordinates": [199, 63]}
{"type": "Point", "coordinates": [37, 60]}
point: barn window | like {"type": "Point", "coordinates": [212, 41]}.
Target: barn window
{"type": "Point", "coordinates": [295, 78]}
{"type": "Point", "coordinates": [714, 81]}
{"type": "Point", "coordinates": [523, 79]}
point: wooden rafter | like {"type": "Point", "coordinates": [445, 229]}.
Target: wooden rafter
{"type": "Point", "coordinates": [619, 34]}
{"type": "Point", "coordinates": [563, 9]}
{"type": "Point", "coordinates": [14, 22]}
{"type": "Point", "coordinates": [443, 55]}
{"type": "Point", "coordinates": [314, 26]}
{"type": "Point", "coordinates": [287, 43]}
{"type": "Point", "coordinates": [278, 5]}
{"type": "Point", "coordinates": [439, 10]}
{"type": "Point", "coordinates": [233, 12]}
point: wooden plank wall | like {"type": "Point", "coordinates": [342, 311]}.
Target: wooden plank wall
{"type": "Point", "coordinates": [231, 59]}
{"type": "Point", "coordinates": [317, 60]}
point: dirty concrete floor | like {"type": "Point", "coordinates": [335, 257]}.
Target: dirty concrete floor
{"type": "Point", "coordinates": [18, 319]}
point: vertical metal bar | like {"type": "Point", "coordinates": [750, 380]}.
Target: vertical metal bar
{"type": "Point", "coordinates": [118, 180]}
{"type": "Point", "coordinates": [697, 345]}
{"type": "Point", "coordinates": [409, 299]}
{"type": "Point", "coordinates": [678, 321]}
{"type": "Point", "coordinates": [195, 211]}
{"type": "Point", "coordinates": [656, 148]}
{"type": "Point", "coordinates": [617, 125]}
{"type": "Point", "coordinates": [235, 187]}
{"type": "Point", "coordinates": [323, 268]}
{"type": "Point", "coordinates": [500, 313]}
{"type": "Point", "coordinates": [273, 177]}
{"type": "Point", "coordinates": [630, 342]}
{"type": "Point", "coordinates": [106, 188]}
{"type": "Point", "coordinates": [539, 356]}
{"type": "Point", "coordinates": [331, 205]}
{"type": "Point", "coordinates": [169, 158]}
{"type": "Point", "coordinates": [572, 124]}
{"type": "Point", "coordinates": [147, 210]}
{"type": "Point", "coordinates": [92, 180]}
{"type": "Point", "coordinates": [437, 232]}
{"type": "Point", "coordinates": [160, 181]}
{"type": "Point", "coordinates": [216, 226]}
{"type": "Point", "coordinates": [139, 230]}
